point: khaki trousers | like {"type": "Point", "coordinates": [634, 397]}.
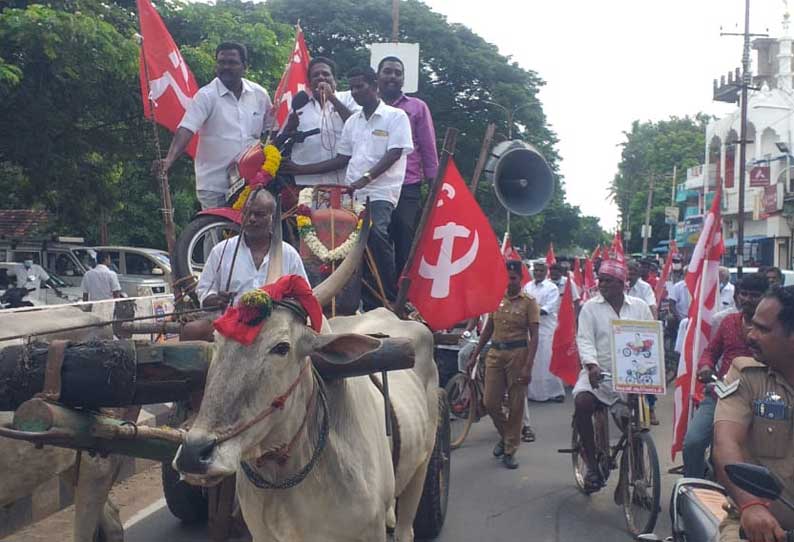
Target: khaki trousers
{"type": "Point", "coordinates": [501, 374]}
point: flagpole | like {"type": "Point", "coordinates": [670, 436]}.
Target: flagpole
{"type": "Point", "coordinates": [165, 190]}
{"type": "Point", "coordinates": [448, 150]}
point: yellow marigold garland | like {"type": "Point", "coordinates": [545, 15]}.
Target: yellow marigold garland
{"type": "Point", "coordinates": [270, 166]}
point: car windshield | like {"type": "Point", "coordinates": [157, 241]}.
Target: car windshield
{"type": "Point", "coordinates": [162, 257]}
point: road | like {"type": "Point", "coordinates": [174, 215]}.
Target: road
{"type": "Point", "coordinates": [538, 502]}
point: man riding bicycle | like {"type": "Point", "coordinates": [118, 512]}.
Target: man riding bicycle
{"type": "Point", "coordinates": [593, 341]}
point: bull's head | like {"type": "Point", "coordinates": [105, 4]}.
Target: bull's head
{"type": "Point", "coordinates": [272, 374]}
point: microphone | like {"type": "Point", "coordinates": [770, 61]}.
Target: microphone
{"type": "Point", "coordinates": [299, 100]}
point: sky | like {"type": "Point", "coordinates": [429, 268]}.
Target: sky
{"type": "Point", "coordinates": [611, 62]}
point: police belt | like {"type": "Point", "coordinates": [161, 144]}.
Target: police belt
{"type": "Point", "coordinates": [508, 345]}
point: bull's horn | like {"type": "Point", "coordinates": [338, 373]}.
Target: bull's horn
{"type": "Point", "coordinates": [276, 250]}
{"type": "Point", "coordinates": [330, 287]}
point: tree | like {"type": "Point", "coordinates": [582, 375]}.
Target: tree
{"type": "Point", "coordinates": [654, 148]}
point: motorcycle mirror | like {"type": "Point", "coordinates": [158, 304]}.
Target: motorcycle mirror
{"type": "Point", "coordinates": [755, 479]}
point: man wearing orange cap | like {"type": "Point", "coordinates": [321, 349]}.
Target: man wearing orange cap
{"type": "Point", "coordinates": [594, 342]}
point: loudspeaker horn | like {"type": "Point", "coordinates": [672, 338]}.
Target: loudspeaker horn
{"type": "Point", "coordinates": [522, 179]}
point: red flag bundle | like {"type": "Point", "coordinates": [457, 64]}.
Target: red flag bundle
{"type": "Point", "coordinates": [458, 271]}
{"type": "Point", "coordinates": [578, 278]}
{"type": "Point", "coordinates": [616, 250]}
{"type": "Point", "coordinates": [295, 78]}
{"type": "Point", "coordinates": [661, 286]}
{"type": "Point", "coordinates": [564, 354]}
{"type": "Point", "coordinates": [166, 80]}
{"type": "Point", "coordinates": [511, 253]}
{"type": "Point", "coordinates": [551, 259]}
{"type": "Point", "coordinates": [589, 289]}
{"type": "Point", "coordinates": [702, 280]}
{"type": "Point", "coordinates": [596, 253]}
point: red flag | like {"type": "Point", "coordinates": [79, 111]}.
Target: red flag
{"type": "Point", "coordinates": [596, 253]}
{"type": "Point", "coordinates": [616, 250]}
{"type": "Point", "coordinates": [551, 259]}
{"type": "Point", "coordinates": [589, 289]}
{"type": "Point", "coordinates": [170, 84]}
{"type": "Point", "coordinates": [295, 78]}
{"type": "Point", "coordinates": [511, 253]}
{"type": "Point", "coordinates": [661, 285]}
{"type": "Point", "coordinates": [564, 354]}
{"type": "Point", "coordinates": [702, 280]}
{"type": "Point", "coordinates": [458, 272]}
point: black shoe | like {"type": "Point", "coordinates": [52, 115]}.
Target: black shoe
{"type": "Point", "coordinates": [527, 434]}
{"type": "Point", "coordinates": [499, 449]}
{"type": "Point", "coordinates": [509, 461]}
{"type": "Point", "coordinates": [558, 399]}
{"type": "Point", "coordinates": [593, 481]}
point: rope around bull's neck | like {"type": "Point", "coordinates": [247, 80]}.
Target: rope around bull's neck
{"type": "Point", "coordinates": [259, 481]}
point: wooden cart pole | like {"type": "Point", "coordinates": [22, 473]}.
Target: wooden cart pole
{"type": "Point", "coordinates": [448, 150]}
{"type": "Point", "coordinates": [486, 145]}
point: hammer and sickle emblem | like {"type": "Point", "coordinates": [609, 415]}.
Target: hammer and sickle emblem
{"type": "Point", "coordinates": [450, 191]}
{"type": "Point", "coordinates": [446, 268]}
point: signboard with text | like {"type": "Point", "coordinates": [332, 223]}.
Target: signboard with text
{"type": "Point", "coordinates": [769, 201]}
{"type": "Point", "coordinates": [759, 176]}
{"type": "Point", "coordinates": [671, 215]}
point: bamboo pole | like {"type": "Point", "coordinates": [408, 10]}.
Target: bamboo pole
{"type": "Point", "coordinates": [486, 144]}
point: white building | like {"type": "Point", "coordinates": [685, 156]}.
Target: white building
{"type": "Point", "coordinates": [768, 184]}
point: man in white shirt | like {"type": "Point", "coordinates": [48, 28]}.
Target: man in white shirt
{"type": "Point", "coordinates": [636, 287]}
{"type": "Point", "coordinates": [100, 282]}
{"type": "Point", "coordinates": [374, 145]}
{"type": "Point", "coordinates": [253, 257]}
{"type": "Point", "coordinates": [229, 114]}
{"type": "Point", "coordinates": [327, 110]}
{"type": "Point", "coordinates": [727, 290]}
{"type": "Point", "coordinates": [594, 342]}
{"type": "Point", "coordinates": [544, 386]}
{"type": "Point", "coordinates": [30, 276]}
{"type": "Point", "coordinates": [558, 275]}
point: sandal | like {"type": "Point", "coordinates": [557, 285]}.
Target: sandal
{"type": "Point", "coordinates": [527, 434]}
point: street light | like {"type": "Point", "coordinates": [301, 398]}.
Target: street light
{"type": "Point", "coordinates": [511, 113]}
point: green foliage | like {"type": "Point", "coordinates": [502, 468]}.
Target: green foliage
{"type": "Point", "coordinates": [654, 148]}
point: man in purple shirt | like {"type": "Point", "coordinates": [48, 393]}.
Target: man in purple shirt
{"type": "Point", "coordinates": [422, 162]}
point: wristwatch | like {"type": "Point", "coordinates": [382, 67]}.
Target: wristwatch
{"type": "Point", "coordinates": [367, 176]}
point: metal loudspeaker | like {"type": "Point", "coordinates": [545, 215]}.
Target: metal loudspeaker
{"type": "Point", "coordinates": [522, 179]}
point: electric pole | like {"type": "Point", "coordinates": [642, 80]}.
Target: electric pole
{"type": "Point", "coordinates": [395, 21]}
{"type": "Point", "coordinates": [646, 233]}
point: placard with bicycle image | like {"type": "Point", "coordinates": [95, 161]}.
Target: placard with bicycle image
{"type": "Point", "coordinates": [638, 357]}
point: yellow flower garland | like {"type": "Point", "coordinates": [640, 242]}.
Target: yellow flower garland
{"type": "Point", "coordinates": [270, 166]}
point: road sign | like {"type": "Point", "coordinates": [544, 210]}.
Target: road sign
{"type": "Point", "coordinates": [671, 215]}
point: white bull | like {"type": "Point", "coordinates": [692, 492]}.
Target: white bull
{"type": "Point", "coordinates": [350, 493]}
{"type": "Point", "coordinates": [24, 468]}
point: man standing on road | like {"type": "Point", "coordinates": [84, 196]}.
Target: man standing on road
{"type": "Point", "coordinates": [754, 423]}
{"type": "Point", "coordinates": [727, 290]}
{"type": "Point", "coordinates": [229, 115]}
{"type": "Point", "coordinates": [544, 386]}
{"type": "Point", "coordinates": [374, 145]}
{"type": "Point", "coordinates": [421, 164]}
{"type": "Point", "coordinates": [508, 364]}
{"type": "Point", "coordinates": [726, 344]}
{"type": "Point", "coordinates": [594, 342]}
{"type": "Point", "coordinates": [100, 282]}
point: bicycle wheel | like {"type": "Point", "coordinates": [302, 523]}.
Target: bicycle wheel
{"type": "Point", "coordinates": [577, 460]}
{"type": "Point", "coordinates": [462, 397]}
{"type": "Point", "coordinates": [640, 481]}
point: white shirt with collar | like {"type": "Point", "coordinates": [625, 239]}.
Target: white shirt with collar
{"type": "Point", "coordinates": [643, 290]}
{"type": "Point", "coordinates": [100, 283]}
{"type": "Point", "coordinates": [726, 297]}
{"type": "Point", "coordinates": [323, 146]}
{"type": "Point", "coordinates": [246, 275]}
{"type": "Point", "coordinates": [31, 279]}
{"type": "Point", "coordinates": [226, 127]}
{"type": "Point", "coordinates": [680, 294]}
{"type": "Point", "coordinates": [595, 327]}
{"type": "Point", "coordinates": [548, 297]}
{"type": "Point", "coordinates": [367, 140]}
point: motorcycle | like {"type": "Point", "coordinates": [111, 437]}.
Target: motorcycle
{"type": "Point", "coordinates": [696, 506]}
{"type": "Point", "coordinates": [14, 298]}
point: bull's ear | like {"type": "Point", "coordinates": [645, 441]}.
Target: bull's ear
{"type": "Point", "coordinates": [342, 348]}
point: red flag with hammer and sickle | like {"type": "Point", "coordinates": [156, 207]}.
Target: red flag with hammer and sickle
{"type": "Point", "coordinates": [458, 271]}
{"type": "Point", "coordinates": [166, 81]}
{"type": "Point", "coordinates": [295, 78]}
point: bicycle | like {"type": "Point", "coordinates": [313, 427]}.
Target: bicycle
{"type": "Point", "coordinates": [462, 393]}
{"type": "Point", "coordinates": [639, 482]}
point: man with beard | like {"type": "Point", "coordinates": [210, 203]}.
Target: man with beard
{"type": "Point", "coordinates": [594, 342]}
{"type": "Point", "coordinates": [422, 163]}
{"type": "Point", "coordinates": [754, 423]}
{"type": "Point", "coordinates": [726, 344]}
{"type": "Point", "coordinates": [229, 115]}
{"type": "Point", "coordinates": [327, 109]}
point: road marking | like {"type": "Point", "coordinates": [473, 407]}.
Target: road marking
{"type": "Point", "coordinates": [142, 514]}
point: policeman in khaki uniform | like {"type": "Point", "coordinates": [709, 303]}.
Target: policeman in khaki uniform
{"type": "Point", "coordinates": [513, 329]}
{"type": "Point", "coordinates": [754, 423]}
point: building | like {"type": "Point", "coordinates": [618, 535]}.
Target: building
{"type": "Point", "coordinates": [769, 193]}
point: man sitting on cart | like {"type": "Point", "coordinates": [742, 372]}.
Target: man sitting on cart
{"type": "Point", "coordinates": [593, 341]}
{"type": "Point", "coordinates": [248, 264]}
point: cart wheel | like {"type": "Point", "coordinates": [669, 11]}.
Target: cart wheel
{"type": "Point", "coordinates": [433, 506]}
{"type": "Point", "coordinates": [188, 503]}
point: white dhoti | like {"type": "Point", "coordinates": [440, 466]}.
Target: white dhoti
{"type": "Point", "coordinates": [544, 385]}
{"type": "Point", "coordinates": [604, 392]}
